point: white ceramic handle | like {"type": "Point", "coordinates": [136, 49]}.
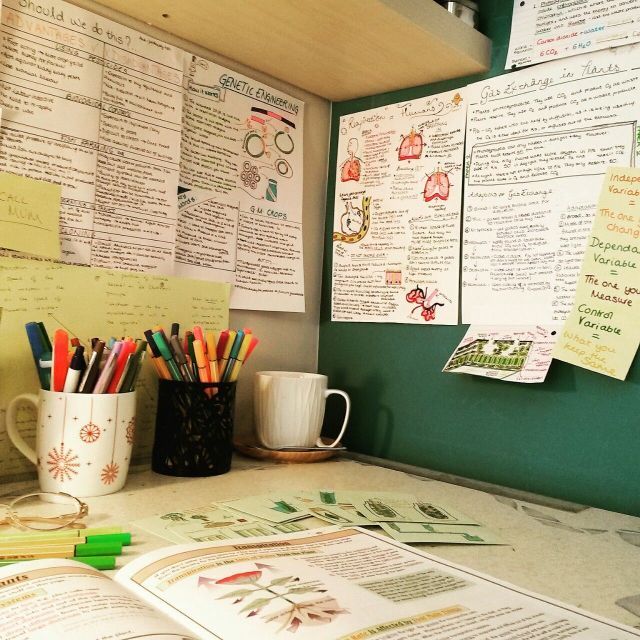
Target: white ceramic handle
{"type": "Point", "coordinates": [12, 426]}
{"type": "Point", "coordinates": [327, 393]}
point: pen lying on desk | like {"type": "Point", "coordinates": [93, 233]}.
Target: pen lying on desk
{"type": "Point", "coordinates": [63, 550]}
{"type": "Point", "coordinates": [103, 563]}
{"type": "Point", "coordinates": [46, 538]}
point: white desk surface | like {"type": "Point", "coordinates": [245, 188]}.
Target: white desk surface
{"type": "Point", "coordinates": [589, 558]}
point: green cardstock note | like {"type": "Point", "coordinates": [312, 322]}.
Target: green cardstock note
{"type": "Point", "coordinates": [30, 215]}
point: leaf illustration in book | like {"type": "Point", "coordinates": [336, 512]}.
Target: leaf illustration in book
{"type": "Point", "coordinates": [257, 590]}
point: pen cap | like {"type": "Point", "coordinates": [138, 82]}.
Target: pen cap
{"type": "Point", "coordinates": [194, 428]}
{"type": "Point", "coordinates": [98, 549]}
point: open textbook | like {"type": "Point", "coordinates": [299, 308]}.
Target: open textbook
{"type": "Point", "coordinates": [326, 584]}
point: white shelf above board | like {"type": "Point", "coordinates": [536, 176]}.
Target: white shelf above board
{"type": "Point", "coordinates": [337, 49]}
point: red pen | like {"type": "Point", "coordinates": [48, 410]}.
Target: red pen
{"type": "Point", "coordinates": [222, 343]}
{"type": "Point", "coordinates": [60, 359]}
{"type": "Point", "coordinates": [125, 351]}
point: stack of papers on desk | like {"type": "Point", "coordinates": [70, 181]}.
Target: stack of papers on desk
{"type": "Point", "coordinates": [403, 517]}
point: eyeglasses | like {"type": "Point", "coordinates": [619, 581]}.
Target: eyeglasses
{"type": "Point", "coordinates": [44, 511]}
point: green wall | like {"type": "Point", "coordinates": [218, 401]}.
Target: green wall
{"type": "Point", "coordinates": [574, 437]}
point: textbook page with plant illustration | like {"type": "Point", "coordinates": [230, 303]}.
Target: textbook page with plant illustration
{"type": "Point", "coordinates": [344, 584]}
{"type": "Point", "coordinates": [326, 584]}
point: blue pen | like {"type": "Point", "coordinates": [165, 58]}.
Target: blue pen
{"type": "Point", "coordinates": [38, 350]}
{"type": "Point", "coordinates": [233, 354]}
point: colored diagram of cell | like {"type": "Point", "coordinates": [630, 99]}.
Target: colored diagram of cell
{"type": "Point", "coordinates": [351, 168]}
{"type": "Point", "coordinates": [437, 186]}
{"type": "Point", "coordinates": [411, 146]}
{"type": "Point", "coordinates": [268, 135]}
{"type": "Point", "coordinates": [424, 303]}
{"type": "Point", "coordinates": [354, 222]}
{"type": "Point", "coordinates": [250, 175]}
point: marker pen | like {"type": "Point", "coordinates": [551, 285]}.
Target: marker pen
{"type": "Point", "coordinates": [76, 367]}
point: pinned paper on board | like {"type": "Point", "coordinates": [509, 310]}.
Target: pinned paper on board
{"type": "Point", "coordinates": [514, 354]}
{"type": "Point", "coordinates": [29, 215]}
{"type": "Point", "coordinates": [544, 31]}
{"type": "Point", "coordinates": [602, 331]}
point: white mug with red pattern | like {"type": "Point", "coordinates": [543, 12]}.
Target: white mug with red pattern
{"type": "Point", "coordinates": [83, 441]}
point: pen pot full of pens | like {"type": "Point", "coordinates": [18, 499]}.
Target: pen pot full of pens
{"type": "Point", "coordinates": [194, 428]}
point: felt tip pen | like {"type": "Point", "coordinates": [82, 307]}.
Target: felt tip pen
{"type": "Point", "coordinates": [60, 359]}
{"type": "Point", "coordinates": [102, 563]}
{"type": "Point", "coordinates": [76, 367]}
{"type": "Point", "coordinates": [223, 338]}
{"type": "Point", "coordinates": [108, 370]}
{"type": "Point", "coordinates": [199, 335]}
{"type": "Point", "coordinates": [233, 354]}
{"type": "Point", "coordinates": [222, 361]}
{"type": "Point", "coordinates": [33, 536]}
{"type": "Point", "coordinates": [65, 550]}
{"type": "Point", "coordinates": [92, 371]}
{"type": "Point", "coordinates": [201, 361]}
{"type": "Point", "coordinates": [130, 376]}
{"type": "Point", "coordinates": [126, 350]}
{"type": "Point", "coordinates": [181, 359]}
{"type": "Point", "coordinates": [242, 356]}
{"type": "Point", "coordinates": [165, 352]}
{"type": "Point", "coordinates": [156, 356]}
{"type": "Point", "coordinates": [210, 339]}
{"type": "Point", "coordinates": [40, 346]}
{"type": "Point", "coordinates": [191, 356]}
{"type": "Point", "coordinates": [31, 541]}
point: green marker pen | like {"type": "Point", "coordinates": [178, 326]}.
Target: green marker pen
{"type": "Point", "coordinates": [165, 352]}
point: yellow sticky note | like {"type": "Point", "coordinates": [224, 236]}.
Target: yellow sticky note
{"type": "Point", "coordinates": [602, 332]}
{"type": "Point", "coordinates": [29, 215]}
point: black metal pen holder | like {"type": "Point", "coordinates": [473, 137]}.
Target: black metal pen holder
{"type": "Point", "coordinates": [194, 428]}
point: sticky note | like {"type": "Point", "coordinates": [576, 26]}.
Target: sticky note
{"type": "Point", "coordinates": [29, 215]}
{"type": "Point", "coordinates": [602, 332]}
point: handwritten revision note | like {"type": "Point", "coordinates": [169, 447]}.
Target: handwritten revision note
{"type": "Point", "coordinates": [538, 142]}
{"type": "Point", "coordinates": [241, 170]}
{"type": "Point", "coordinates": [543, 31]}
{"type": "Point", "coordinates": [602, 331]}
{"type": "Point", "coordinates": [396, 226]}
{"type": "Point", "coordinates": [96, 107]}
{"type": "Point", "coordinates": [92, 302]}
{"type": "Point", "coordinates": [29, 215]}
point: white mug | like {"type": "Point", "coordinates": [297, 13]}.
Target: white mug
{"type": "Point", "coordinates": [289, 409]}
{"type": "Point", "coordinates": [83, 440]}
